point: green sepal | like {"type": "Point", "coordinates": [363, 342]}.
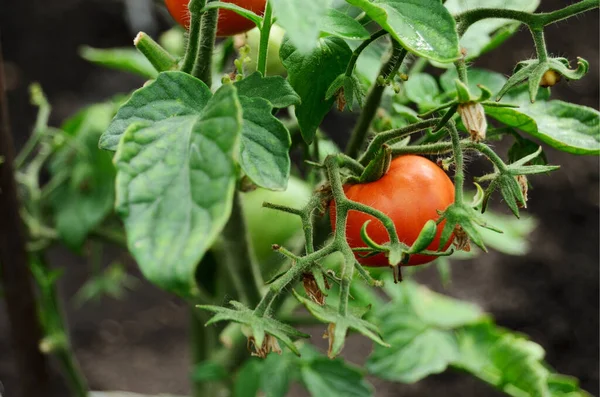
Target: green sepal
{"type": "Point", "coordinates": [459, 214]}
{"type": "Point", "coordinates": [378, 167]}
{"type": "Point", "coordinates": [534, 70]}
{"type": "Point", "coordinates": [352, 320]}
{"type": "Point", "coordinates": [260, 326]}
{"type": "Point", "coordinates": [368, 240]}
{"type": "Point", "coordinates": [462, 91]}
{"type": "Point", "coordinates": [425, 237]}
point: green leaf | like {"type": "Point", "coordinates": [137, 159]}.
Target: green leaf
{"type": "Point", "coordinates": [421, 88]}
{"type": "Point", "coordinates": [515, 233]}
{"type": "Point", "coordinates": [424, 28]}
{"type": "Point", "coordinates": [277, 374]}
{"type": "Point", "coordinates": [311, 75]}
{"type": "Point", "coordinates": [487, 34]}
{"type": "Point", "coordinates": [248, 379]}
{"type": "Point", "coordinates": [334, 378]}
{"type": "Point", "coordinates": [418, 325]}
{"type": "Point", "coordinates": [87, 195]}
{"type": "Point", "coordinates": [175, 93]}
{"type": "Point", "coordinates": [302, 22]}
{"type": "Point", "coordinates": [523, 147]}
{"type": "Point", "coordinates": [235, 8]}
{"type": "Point", "coordinates": [209, 371]}
{"type": "Point", "coordinates": [176, 174]}
{"type": "Point", "coordinates": [125, 59]}
{"type": "Point", "coordinates": [265, 145]}
{"type": "Point", "coordinates": [564, 126]}
{"type": "Point", "coordinates": [275, 89]}
{"type": "Point", "coordinates": [492, 80]}
{"type": "Point", "coordinates": [260, 326]}
{"type": "Point", "coordinates": [510, 362]}
{"type": "Point", "coordinates": [338, 24]}
{"type": "Point", "coordinates": [352, 320]}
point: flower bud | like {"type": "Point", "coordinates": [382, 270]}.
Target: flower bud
{"type": "Point", "coordinates": [461, 239]}
{"type": "Point", "coordinates": [524, 185]}
{"type": "Point", "coordinates": [269, 345]}
{"type": "Point", "coordinates": [550, 78]}
{"type": "Point", "coordinates": [473, 117]}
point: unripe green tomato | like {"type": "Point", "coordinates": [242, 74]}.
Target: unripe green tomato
{"type": "Point", "coordinates": [173, 40]}
{"type": "Point", "coordinates": [252, 39]}
{"type": "Point", "coordinates": [267, 226]}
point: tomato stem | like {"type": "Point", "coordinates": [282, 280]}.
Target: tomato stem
{"type": "Point", "coordinates": [394, 134]}
{"type": "Point", "coordinates": [263, 47]}
{"type": "Point", "coordinates": [193, 38]}
{"type": "Point", "coordinates": [359, 133]}
{"type": "Point", "coordinates": [459, 176]}
{"type": "Point", "coordinates": [533, 20]}
{"type": "Point", "coordinates": [208, 31]}
{"type": "Point", "coordinates": [360, 48]}
{"type": "Point", "coordinates": [540, 44]}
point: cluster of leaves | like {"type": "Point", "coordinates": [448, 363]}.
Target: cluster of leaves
{"type": "Point", "coordinates": [184, 148]}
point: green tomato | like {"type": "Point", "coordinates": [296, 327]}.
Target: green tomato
{"type": "Point", "coordinates": [252, 39]}
{"type": "Point", "coordinates": [267, 226]}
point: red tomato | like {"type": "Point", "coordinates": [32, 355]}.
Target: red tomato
{"type": "Point", "coordinates": [229, 23]}
{"type": "Point", "coordinates": [411, 193]}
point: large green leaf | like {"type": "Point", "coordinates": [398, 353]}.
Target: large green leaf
{"type": "Point", "coordinates": [265, 145]}
{"type": "Point", "coordinates": [425, 28]}
{"type": "Point", "coordinates": [176, 173]}
{"type": "Point", "coordinates": [334, 378]}
{"type": "Point", "coordinates": [125, 59]}
{"type": "Point", "coordinates": [311, 75]}
{"type": "Point", "coordinates": [487, 34]}
{"type": "Point", "coordinates": [418, 324]}
{"type": "Point", "coordinates": [301, 21]}
{"type": "Point", "coordinates": [87, 194]}
{"type": "Point", "coordinates": [492, 80]}
{"type": "Point", "coordinates": [275, 89]}
{"type": "Point", "coordinates": [338, 24]}
{"type": "Point", "coordinates": [564, 126]}
{"type": "Point", "coordinates": [510, 362]}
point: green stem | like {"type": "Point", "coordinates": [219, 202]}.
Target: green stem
{"type": "Point", "coordinates": [347, 274]}
{"type": "Point", "coordinates": [361, 129]}
{"type": "Point", "coordinates": [539, 20]}
{"type": "Point", "coordinates": [360, 48]}
{"type": "Point", "coordinates": [433, 148]}
{"type": "Point", "coordinates": [265, 31]}
{"type": "Point", "coordinates": [193, 41]}
{"type": "Point", "coordinates": [489, 153]}
{"type": "Point", "coordinates": [398, 133]}
{"type": "Point", "coordinates": [208, 32]}
{"type": "Point", "coordinates": [459, 175]}
{"type": "Point", "coordinates": [461, 69]}
{"type": "Point", "coordinates": [292, 275]}
{"type": "Point", "coordinates": [70, 365]}
{"type": "Point", "coordinates": [540, 44]}
{"type": "Point", "coordinates": [203, 340]}
{"type": "Point", "coordinates": [236, 253]}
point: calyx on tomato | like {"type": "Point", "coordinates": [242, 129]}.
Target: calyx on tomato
{"type": "Point", "coordinates": [229, 23]}
{"type": "Point", "coordinates": [413, 191]}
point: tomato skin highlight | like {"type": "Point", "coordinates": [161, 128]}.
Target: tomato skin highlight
{"type": "Point", "coordinates": [410, 193]}
{"type": "Point", "coordinates": [229, 24]}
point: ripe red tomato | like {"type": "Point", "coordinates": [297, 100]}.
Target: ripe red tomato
{"type": "Point", "coordinates": [229, 22]}
{"type": "Point", "coordinates": [410, 193]}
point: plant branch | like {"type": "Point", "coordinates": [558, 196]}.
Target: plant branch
{"type": "Point", "coordinates": [459, 174]}
{"type": "Point", "coordinates": [208, 30]}
{"type": "Point", "coordinates": [397, 133]}
{"type": "Point", "coordinates": [359, 50]}
{"type": "Point", "coordinates": [18, 294]}
{"type": "Point", "coordinates": [265, 31]}
{"type": "Point", "coordinates": [361, 129]}
{"type": "Point", "coordinates": [539, 20]}
{"type": "Point", "coordinates": [193, 37]}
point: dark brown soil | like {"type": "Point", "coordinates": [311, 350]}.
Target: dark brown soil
{"type": "Point", "coordinates": [140, 344]}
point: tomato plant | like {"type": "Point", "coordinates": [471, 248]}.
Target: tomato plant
{"type": "Point", "coordinates": [230, 23]}
{"type": "Point", "coordinates": [219, 177]}
{"type": "Point", "coordinates": [413, 191]}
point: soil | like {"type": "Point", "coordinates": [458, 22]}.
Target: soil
{"type": "Point", "coordinates": [139, 344]}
